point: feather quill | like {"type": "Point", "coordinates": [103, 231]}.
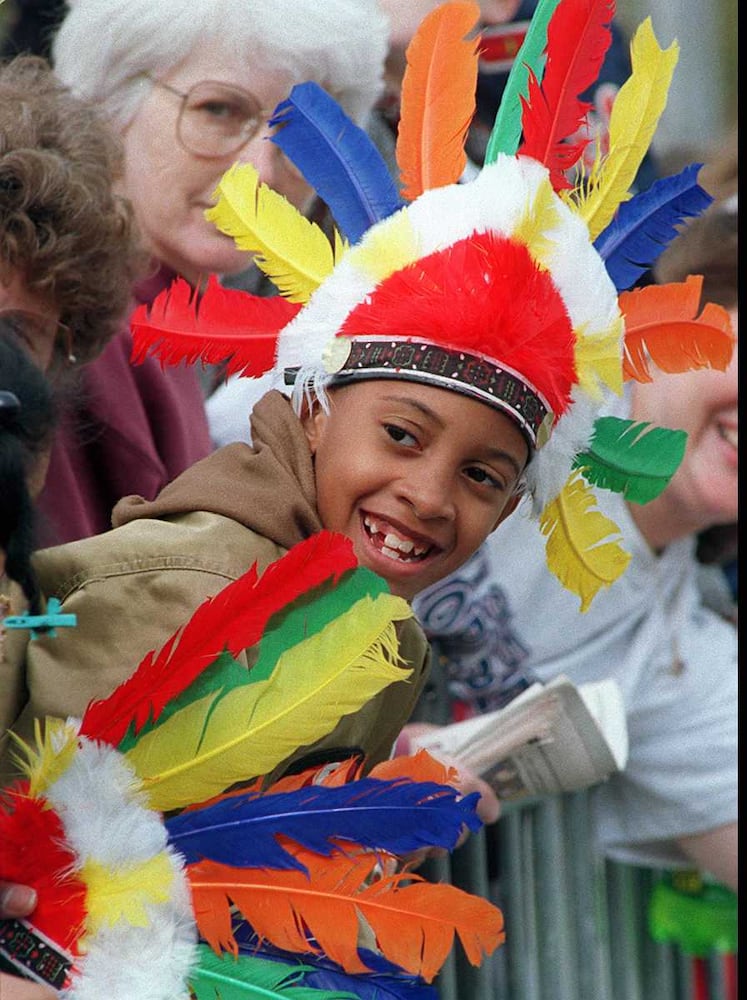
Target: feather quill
{"type": "Point", "coordinates": [506, 132]}
{"type": "Point", "coordinates": [337, 158]}
{"type": "Point", "coordinates": [233, 620]}
{"type": "Point", "coordinates": [398, 817]}
{"type": "Point", "coordinates": [245, 977]}
{"type": "Point", "coordinates": [633, 121]}
{"type": "Point", "coordinates": [414, 922]}
{"type": "Point", "coordinates": [290, 249]}
{"type": "Point", "coordinates": [581, 550]}
{"type": "Point", "coordinates": [645, 225]}
{"type": "Point", "coordinates": [223, 324]}
{"type": "Point", "coordinates": [662, 328]}
{"type": "Point", "coordinates": [631, 458]}
{"type": "Point", "coordinates": [438, 99]}
{"type": "Point", "coordinates": [220, 740]}
{"type": "Point", "coordinates": [578, 37]}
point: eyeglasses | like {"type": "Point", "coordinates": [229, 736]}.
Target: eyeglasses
{"type": "Point", "coordinates": [215, 119]}
{"type": "Point", "coordinates": [35, 331]}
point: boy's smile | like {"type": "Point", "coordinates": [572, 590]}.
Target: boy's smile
{"type": "Point", "coordinates": [416, 476]}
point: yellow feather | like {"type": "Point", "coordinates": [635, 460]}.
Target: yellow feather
{"type": "Point", "coordinates": [580, 551]}
{"type": "Point", "coordinates": [123, 894]}
{"type": "Point", "coordinates": [292, 251]}
{"type": "Point", "coordinates": [212, 743]}
{"type": "Point", "coordinates": [599, 359]}
{"type": "Point", "coordinates": [49, 757]}
{"type": "Point", "coordinates": [387, 248]}
{"type": "Point", "coordinates": [635, 116]}
{"type": "Point", "coordinates": [540, 217]}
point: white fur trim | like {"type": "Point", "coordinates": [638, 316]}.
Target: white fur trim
{"type": "Point", "coordinates": [105, 818]}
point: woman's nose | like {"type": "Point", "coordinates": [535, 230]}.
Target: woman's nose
{"type": "Point", "coordinates": [274, 168]}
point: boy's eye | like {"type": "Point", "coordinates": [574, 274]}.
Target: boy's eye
{"type": "Point", "coordinates": [482, 476]}
{"type": "Point", "coordinates": [399, 434]}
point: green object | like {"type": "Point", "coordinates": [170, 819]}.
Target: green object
{"type": "Point", "coordinates": [506, 132]}
{"type": "Point", "coordinates": [631, 458]}
{"type": "Point", "coordinates": [699, 916]}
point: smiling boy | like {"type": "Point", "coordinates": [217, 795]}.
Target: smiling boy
{"type": "Point", "coordinates": [417, 476]}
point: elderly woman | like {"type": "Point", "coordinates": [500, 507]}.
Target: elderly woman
{"type": "Point", "coordinates": [189, 85]}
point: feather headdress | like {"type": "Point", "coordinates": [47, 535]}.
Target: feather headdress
{"type": "Point", "coordinates": [154, 822]}
{"type": "Point", "coordinates": [505, 288]}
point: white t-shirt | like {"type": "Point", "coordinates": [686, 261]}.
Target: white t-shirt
{"type": "Point", "coordinates": [504, 614]}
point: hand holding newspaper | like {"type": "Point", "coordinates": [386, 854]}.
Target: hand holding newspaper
{"type": "Point", "coordinates": [552, 738]}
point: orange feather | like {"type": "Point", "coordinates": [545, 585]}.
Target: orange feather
{"type": "Point", "coordinates": [438, 99]}
{"type": "Point", "coordinates": [414, 921]}
{"type": "Point", "coordinates": [662, 327]}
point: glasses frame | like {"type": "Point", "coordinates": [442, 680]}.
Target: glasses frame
{"type": "Point", "coordinates": [262, 115]}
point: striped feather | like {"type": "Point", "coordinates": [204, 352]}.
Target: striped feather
{"type": "Point", "coordinates": [218, 741]}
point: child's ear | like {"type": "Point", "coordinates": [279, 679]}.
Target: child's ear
{"type": "Point", "coordinates": [510, 507]}
{"type": "Point", "coordinates": [313, 420]}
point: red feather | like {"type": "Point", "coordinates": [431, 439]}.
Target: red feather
{"type": "Point", "coordinates": [473, 297]}
{"type": "Point", "coordinates": [234, 620]}
{"type": "Point", "coordinates": [578, 36]}
{"type": "Point", "coordinates": [223, 324]}
{"type": "Point", "coordinates": [34, 853]}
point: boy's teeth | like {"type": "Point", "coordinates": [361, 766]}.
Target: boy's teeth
{"type": "Point", "coordinates": [395, 542]}
{"type": "Point", "coordinates": [392, 545]}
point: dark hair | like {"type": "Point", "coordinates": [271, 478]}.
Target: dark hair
{"type": "Point", "coordinates": [27, 418]}
{"type": "Point", "coordinates": [62, 229]}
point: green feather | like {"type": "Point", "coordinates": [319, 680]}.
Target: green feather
{"type": "Point", "coordinates": [506, 132]}
{"type": "Point", "coordinates": [224, 672]}
{"type": "Point", "coordinates": [306, 616]}
{"type": "Point", "coordinates": [311, 613]}
{"type": "Point", "coordinates": [631, 458]}
{"type": "Point", "coordinates": [223, 977]}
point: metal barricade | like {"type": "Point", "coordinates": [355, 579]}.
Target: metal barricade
{"type": "Point", "coordinates": [576, 924]}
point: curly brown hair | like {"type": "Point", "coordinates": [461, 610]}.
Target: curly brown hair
{"type": "Point", "coordinates": [62, 228]}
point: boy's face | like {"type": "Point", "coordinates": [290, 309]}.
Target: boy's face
{"type": "Point", "coordinates": [416, 476]}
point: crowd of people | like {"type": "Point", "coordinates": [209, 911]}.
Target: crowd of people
{"type": "Point", "coordinates": [133, 492]}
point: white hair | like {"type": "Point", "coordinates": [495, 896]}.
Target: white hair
{"type": "Point", "coordinates": [103, 48]}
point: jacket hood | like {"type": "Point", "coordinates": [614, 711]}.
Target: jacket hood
{"type": "Point", "coordinates": [245, 482]}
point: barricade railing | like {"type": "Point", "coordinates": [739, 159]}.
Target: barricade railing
{"type": "Point", "coordinates": [576, 924]}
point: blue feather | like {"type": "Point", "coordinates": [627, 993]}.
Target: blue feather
{"type": "Point", "coordinates": [337, 158]}
{"type": "Point", "coordinates": [645, 225]}
{"type": "Point", "coordinates": [399, 817]}
{"type": "Point", "coordinates": [386, 982]}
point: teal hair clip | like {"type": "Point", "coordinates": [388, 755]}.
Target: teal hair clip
{"type": "Point", "coordinates": [43, 624]}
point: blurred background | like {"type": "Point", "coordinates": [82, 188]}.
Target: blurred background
{"type": "Point", "coordinates": [702, 105]}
